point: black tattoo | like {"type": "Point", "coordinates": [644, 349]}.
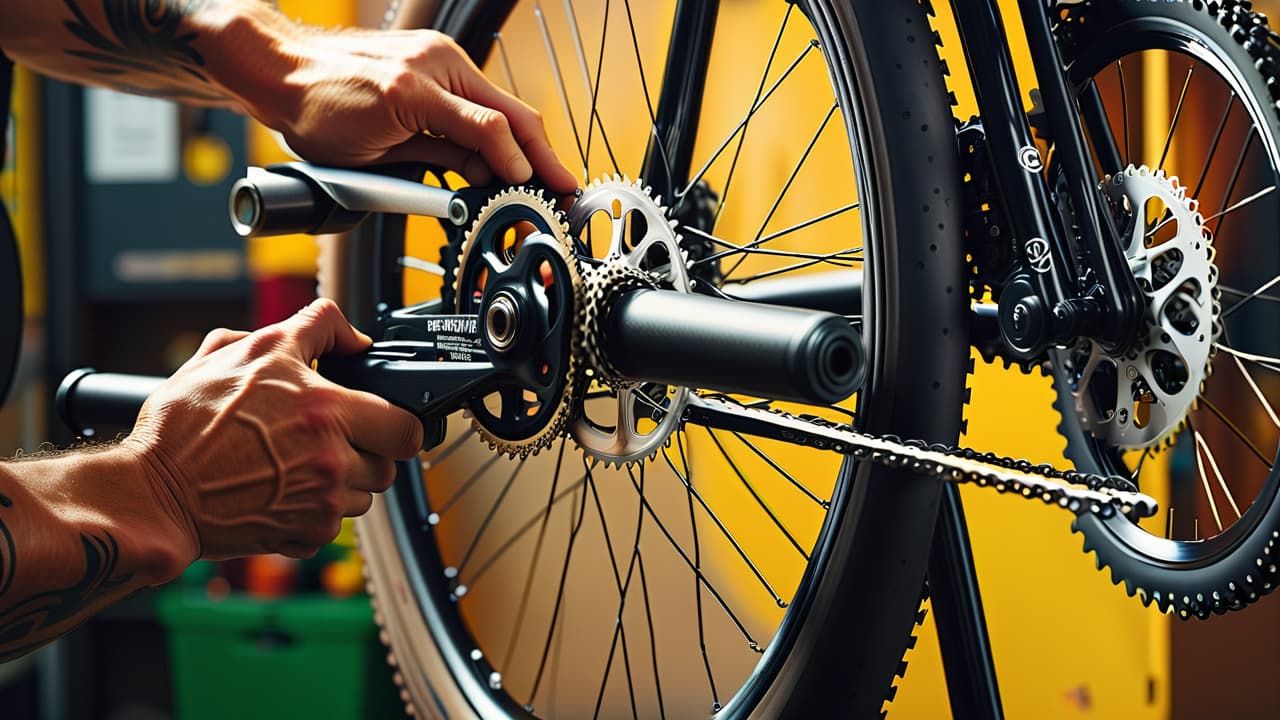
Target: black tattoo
{"type": "Point", "coordinates": [43, 610]}
{"type": "Point", "coordinates": [147, 39]}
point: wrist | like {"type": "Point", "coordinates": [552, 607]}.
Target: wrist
{"type": "Point", "coordinates": [146, 512]}
{"type": "Point", "coordinates": [252, 50]}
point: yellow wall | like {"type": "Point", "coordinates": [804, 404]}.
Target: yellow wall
{"type": "Point", "coordinates": [20, 188]}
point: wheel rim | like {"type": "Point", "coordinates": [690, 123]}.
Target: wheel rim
{"type": "Point", "coordinates": [1222, 460]}
{"type": "Point", "coordinates": [465, 480]}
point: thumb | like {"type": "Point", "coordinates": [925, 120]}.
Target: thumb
{"type": "Point", "coordinates": [320, 328]}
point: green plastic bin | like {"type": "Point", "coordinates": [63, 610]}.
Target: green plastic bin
{"type": "Point", "coordinates": [298, 657]}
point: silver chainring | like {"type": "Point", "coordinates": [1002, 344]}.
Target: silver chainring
{"type": "Point", "coordinates": [1141, 397]}
{"type": "Point", "coordinates": [643, 243]}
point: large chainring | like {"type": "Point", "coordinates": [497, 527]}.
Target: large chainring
{"type": "Point", "coordinates": [1136, 399]}
{"type": "Point", "coordinates": [518, 272]}
{"type": "Point", "coordinates": [643, 250]}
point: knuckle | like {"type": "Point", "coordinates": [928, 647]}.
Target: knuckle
{"type": "Point", "coordinates": [266, 341]}
{"type": "Point", "coordinates": [493, 122]}
{"type": "Point", "coordinates": [330, 464]}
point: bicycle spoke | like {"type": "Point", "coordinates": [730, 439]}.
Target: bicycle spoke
{"type": "Point", "coordinates": [1226, 313]}
{"type": "Point", "coordinates": [653, 640]}
{"type": "Point", "coordinates": [751, 247]}
{"type": "Point", "coordinates": [488, 518]}
{"type": "Point", "coordinates": [790, 179]}
{"type": "Point", "coordinates": [1270, 363]}
{"type": "Point", "coordinates": [593, 89]}
{"type": "Point", "coordinates": [724, 531]}
{"type": "Point", "coordinates": [506, 63]}
{"type": "Point", "coordinates": [1235, 430]}
{"type": "Point", "coordinates": [559, 77]}
{"type": "Point", "coordinates": [619, 631]}
{"type": "Point", "coordinates": [471, 481]}
{"type": "Point", "coordinates": [1124, 111]}
{"type": "Point", "coordinates": [1177, 112]}
{"type": "Point", "coordinates": [1204, 480]}
{"type": "Point", "coordinates": [524, 528]}
{"type": "Point", "coordinates": [654, 138]}
{"type": "Point", "coordinates": [1235, 177]}
{"type": "Point", "coordinates": [697, 568]}
{"type": "Point", "coordinates": [1217, 473]}
{"type": "Point", "coordinates": [533, 564]}
{"type": "Point", "coordinates": [778, 469]}
{"type": "Point", "coordinates": [742, 136]}
{"type": "Point", "coordinates": [575, 527]}
{"type": "Point", "coordinates": [743, 122]}
{"type": "Point", "coordinates": [783, 270]}
{"type": "Point", "coordinates": [1262, 400]}
{"type": "Point", "coordinates": [1213, 146]}
{"type": "Point", "coordinates": [853, 253]}
{"type": "Point", "coordinates": [1261, 193]}
{"type": "Point", "coordinates": [759, 500]}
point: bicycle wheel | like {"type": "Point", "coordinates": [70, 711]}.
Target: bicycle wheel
{"type": "Point", "coordinates": [649, 568]}
{"type": "Point", "coordinates": [1190, 412]}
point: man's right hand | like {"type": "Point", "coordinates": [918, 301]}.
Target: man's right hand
{"type": "Point", "coordinates": [251, 451]}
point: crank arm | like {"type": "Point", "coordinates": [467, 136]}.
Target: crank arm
{"type": "Point", "coordinates": [430, 389]}
{"type": "Point", "coordinates": [1078, 493]}
{"type": "Point", "coordinates": [304, 198]}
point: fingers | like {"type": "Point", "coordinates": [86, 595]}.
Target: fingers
{"type": "Point", "coordinates": [529, 132]}
{"type": "Point", "coordinates": [376, 426]}
{"type": "Point", "coordinates": [374, 473]}
{"type": "Point", "coordinates": [439, 151]}
{"type": "Point", "coordinates": [320, 328]}
{"type": "Point", "coordinates": [218, 339]}
{"type": "Point", "coordinates": [471, 125]}
{"type": "Point", "coordinates": [357, 503]}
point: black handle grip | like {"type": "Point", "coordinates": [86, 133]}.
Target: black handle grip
{"type": "Point", "coordinates": [88, 400]}
{"type": "Point", "coordinates": [738, 347]}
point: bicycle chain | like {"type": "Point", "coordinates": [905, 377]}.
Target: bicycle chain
{"type": "Point", "coordinates": [1083, 493]}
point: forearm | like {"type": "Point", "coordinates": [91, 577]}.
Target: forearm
{"type": "Point", "coordinates": [78, 532]}
{"type": "Point", "coordinates": [228, 53]}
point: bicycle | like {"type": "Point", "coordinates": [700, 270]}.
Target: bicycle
{"type": "Point", "coordinates": [1081, 260]}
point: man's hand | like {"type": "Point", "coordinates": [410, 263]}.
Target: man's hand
{"type": "Point", "coordinates": [412, 95]}
{"type": "Point", "coordinates": [251, 451]}
{"type": "Point", "coordinates": [340, 97]}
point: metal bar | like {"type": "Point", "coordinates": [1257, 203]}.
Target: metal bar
{"type": "Point", "coordinates": [680, 99]}
{"type": "Point", "coordinates": [957, 610]}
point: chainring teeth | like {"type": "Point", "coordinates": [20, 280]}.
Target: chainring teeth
{"type": "Point", "coordinates": [555, 221]}
{"type": "Point", "coordinates": [621, 270]}
{"type": "Point", "coordinates": [1131, 190]}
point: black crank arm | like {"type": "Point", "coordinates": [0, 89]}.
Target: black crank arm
{"type": "Point", "coordinates": [426, 388]}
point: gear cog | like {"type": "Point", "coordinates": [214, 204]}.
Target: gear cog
{"type": "Point", "coordinates": [1141, 397]}
{"type": "Point", "coordinates": [644, 251]}
{"type": "Point", "coordinates": [520, 242]}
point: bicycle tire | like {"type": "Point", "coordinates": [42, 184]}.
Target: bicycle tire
{"type": "Point", "coordinates": [1183, 566]}
{"type": "Point", "coordinates": [840, 645]}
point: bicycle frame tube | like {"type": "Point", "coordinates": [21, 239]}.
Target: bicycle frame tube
{"type": "Point", "coordinates": [671, 146]}
{"type": "Point", "coordinates": [1044, 251]}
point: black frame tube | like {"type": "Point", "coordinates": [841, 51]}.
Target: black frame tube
{"type": "Point", "coordinates": [680, 103]}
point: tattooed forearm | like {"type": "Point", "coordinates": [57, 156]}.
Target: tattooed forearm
{"type": "Point", "coordinates": [141, 36]}
{"type": "Point", "coordinates": [30, 621]}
